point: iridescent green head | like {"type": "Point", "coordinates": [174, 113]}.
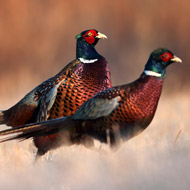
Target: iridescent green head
{"type": "Point", "coordinates": [158, 62]}
{"type": "Point", "coordinates": [86, 42]}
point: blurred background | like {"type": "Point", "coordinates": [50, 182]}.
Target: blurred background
{"type": "Point", "coordinates": [37, 39]}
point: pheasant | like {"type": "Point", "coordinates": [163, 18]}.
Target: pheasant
{"type": "Point", "coordinates": [64, 93]}
{"type": "Point", "coordinates": [123, 111]}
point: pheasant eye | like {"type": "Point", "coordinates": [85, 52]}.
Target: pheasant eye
{"type": "Point", "coordinates": [89, 34]}
{"type": "Point", "coordinates": [166, 56]}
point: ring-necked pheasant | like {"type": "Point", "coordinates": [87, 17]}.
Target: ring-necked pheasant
{"type": "Point", "coordinates": [125, 110]}
{"type": "Point", "coordinates": [64, 93]}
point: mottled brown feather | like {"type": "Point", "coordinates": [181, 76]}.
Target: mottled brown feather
{"type": "Point", "coordinates": [80, 84]}
{"type": "Point", "coordinates": [134, 113]}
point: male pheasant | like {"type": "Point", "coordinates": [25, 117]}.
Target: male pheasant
{"type": "Point", "coordinates": [64, 93]}
{"type": "Point", "coordinates": [125, 110]}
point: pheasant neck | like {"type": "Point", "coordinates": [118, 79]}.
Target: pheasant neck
{"type": "Point", "coordinates": [154, 74]}
{"type": "Point", "coordinates": [147, 93]}
{"type": "Point", "coordinates": [154, 69]}
{"type": "Point", "coordinates": [86, 52]}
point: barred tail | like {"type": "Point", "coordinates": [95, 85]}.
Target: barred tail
{"type": "Point", "coordinates": [33, 130]}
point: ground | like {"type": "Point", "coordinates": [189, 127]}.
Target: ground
{"type": "Point", "coordinates": [152, 160]}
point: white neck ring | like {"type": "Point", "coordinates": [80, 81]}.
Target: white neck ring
{"type": "Point", "coordinates": [87, 60]}
{"type": "Point", "coordinates": [152, 73]}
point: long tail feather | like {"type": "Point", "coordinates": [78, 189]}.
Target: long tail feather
{"type": "Point", "coordinates": [33, 130]}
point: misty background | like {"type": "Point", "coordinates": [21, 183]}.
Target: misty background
{"type": "Point", "coordinates": [37, 39]}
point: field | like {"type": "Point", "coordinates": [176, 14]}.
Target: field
{"type": "Point", "coordinates": [37, 39]}
{"type": "Point", "coordinates": [152, 160]}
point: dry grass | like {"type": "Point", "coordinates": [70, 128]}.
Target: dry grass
{"type": "Point", "coordinates": [37, 40]}
{"type": "Point", "coordinates": [150, 161]}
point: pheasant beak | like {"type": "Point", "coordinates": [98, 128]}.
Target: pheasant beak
{"type": "Point", "coordinates": [101, 36]}
{"type": "Point", "coordinates": [176, 59]}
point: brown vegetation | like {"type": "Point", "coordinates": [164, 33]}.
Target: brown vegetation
{"type": "Point", "coordinates": [37, 40]}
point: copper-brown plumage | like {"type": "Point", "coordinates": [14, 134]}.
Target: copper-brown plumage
{"type": "Point", "coordinates": [137, 104]}
{"type": "Point", "coordinates": [83, 82]}
{"type": "Point", "coordinates": [64, 93]}
{"type": "Point", "coordinates": [130, 108]}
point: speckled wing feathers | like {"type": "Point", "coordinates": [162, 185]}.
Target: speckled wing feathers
{"type": "Point", "coordinates": [45, 104]}
{"type": "Point", "coordinates": [96, 108]}
{"type": "Point", "coordinates": [36, 104]}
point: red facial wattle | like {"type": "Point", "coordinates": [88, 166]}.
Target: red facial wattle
{"type": "Point", "coordinates": [166, 56]}
{"type": "Point", "coordinates": [89, 36]}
